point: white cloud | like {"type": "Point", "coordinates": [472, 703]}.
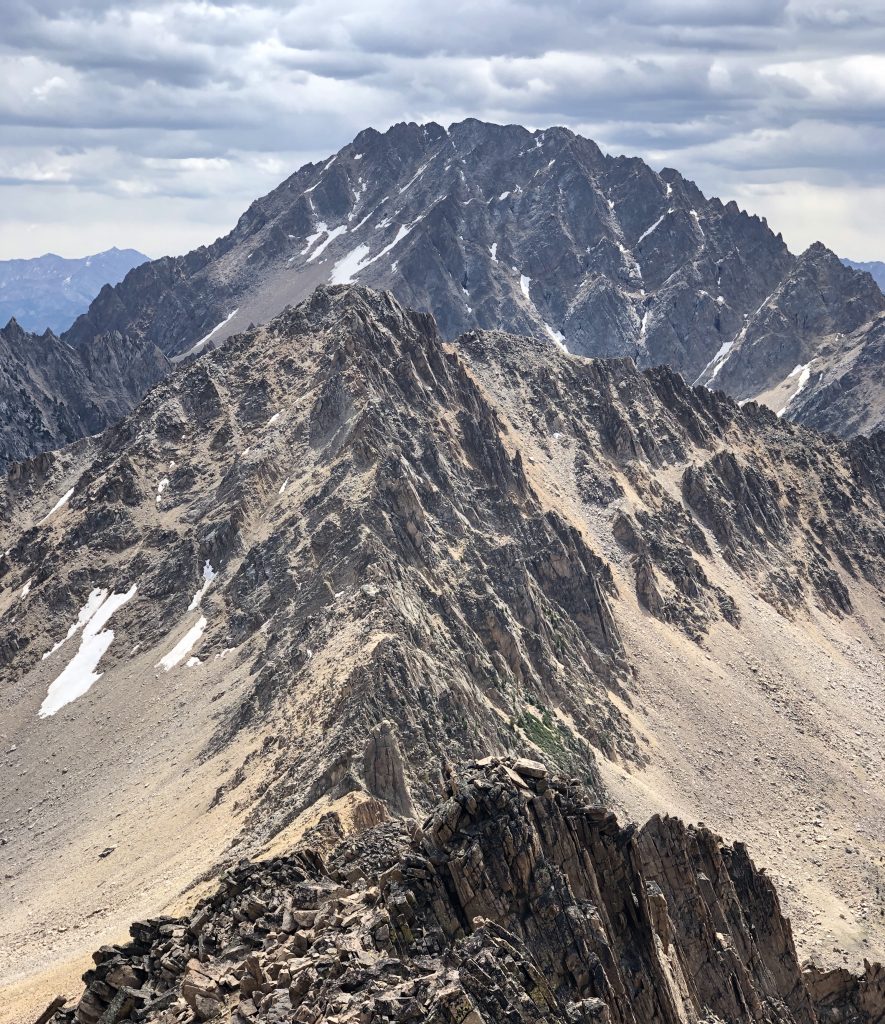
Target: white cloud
{"type": "Point", "coordinates": [153, 123]}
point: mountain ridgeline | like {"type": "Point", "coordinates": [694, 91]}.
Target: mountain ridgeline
{"type": "Point", "coordinates": [50, 292]}
{"type": "Point", "coordinates": [533, 233]}
{"type": "Point", "coordinates": [537, 233]}
{"type": "Point", "coordinates": [328, 596]}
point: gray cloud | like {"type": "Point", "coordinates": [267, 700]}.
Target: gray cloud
{"type": "Point", "coordinates": [153, 123]}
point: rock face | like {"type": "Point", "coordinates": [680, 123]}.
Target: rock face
{"type": "Point", "coordinates": [50, 292]}
{"type": "Point", "coordinates": [51, 394]}
{"type": "Point", "coordinates": [539, 233]}
{"type": "Point", "coordinates": [515, 901]}
{"type": "Point", "coordinates": [338, 557]}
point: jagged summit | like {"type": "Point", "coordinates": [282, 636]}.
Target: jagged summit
{"type": "Point", "coordinates": [318, 566]}
{"type": "Point", "coordinates": [496, 227]}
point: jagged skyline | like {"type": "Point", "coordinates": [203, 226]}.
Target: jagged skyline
{"type": "Point", "coordinates": [153, 124]}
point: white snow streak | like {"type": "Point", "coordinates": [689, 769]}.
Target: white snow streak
{"type": "Point", "coordinates": [184, 646]}
{"type": "Point", "coordinates": [556, 336]}
{"type": "Point", "coordinates": [204, 341]}
{"type": "Point", "coordinates": [330, 237]}
{"type": "Point", "coordinates": [803, 371]}
{"type": "Point", "coordinates": [654, 226]}
{"type": "Point", "coordinates": [493, 252]}
{"type": "Point", "coordinates": [63, 500]}
{"type": "Point", "coordinates": [80, 673]}
{"type": "Point", "coordinates": [345, 269]}
{"type": "Point", "coordinates": [309, 241]}
{"type": "Point", "coordinates": [209, 575]}
{"type": "Point", "coordinates": [93, 603]}
{"type": "Point", "coordinates": [354, 262]}
{"type": "Point", "coordinates": [412, 180]}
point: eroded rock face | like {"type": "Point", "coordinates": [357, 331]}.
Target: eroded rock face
{"type": "Point", "coordinates": [516, 900]}
{"type": "Point", "coordinates": [498, 228]}
{"type": "Point", "coordinates": [51, 394]}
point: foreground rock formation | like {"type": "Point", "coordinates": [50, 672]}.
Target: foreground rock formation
{"type": "Point", "coordinates": [515, 900]}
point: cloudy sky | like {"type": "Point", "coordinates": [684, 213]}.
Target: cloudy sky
{"type": "Point", "coordinates": [153, 123]}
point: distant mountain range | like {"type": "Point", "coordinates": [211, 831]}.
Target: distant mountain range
{"type": "Point", "coordinates": [875, 268]}
{"type": "Point", "coordinates": [51, 292]}
{"type": "Point", "coordinates": [534, 233]}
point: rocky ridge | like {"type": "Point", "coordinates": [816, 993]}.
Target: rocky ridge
{"type": "Point", "coordinates": [496, 227]}
{"type": "Point", "coordinates": [514, 900]}
{"type": "Point", "coordinates": [52, 394]}
{"type": "Point", "coordinates": [337, 522]}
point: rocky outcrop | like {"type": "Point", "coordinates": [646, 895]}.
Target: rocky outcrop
{"type": "Point", "coordinates": [383, 770]}
{"type": "Point", "coordinates": [841, 997]}
{"type": "Point", "coordinates": [516, 900]}
{"type": "Point", "coordinates": [51, 394]}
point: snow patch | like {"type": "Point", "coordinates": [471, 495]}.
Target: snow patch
{"type": "Point", "coordinates": [184, 646]}
{"type": "Point", "coordinates": [556, 336]}
{"type": "Point", "coordinates": [345, 269]}
{"type": "Point", "coordinates": [204, 341]}
{"type": "Point", "coordinates": [80, 673]}
{"type": "Point", "coordinates": [354, 262]}
{"type": "Point", "coordinates": [493, 252]}
{"type": "Point", "coordinates": [654, 227]}
{"type": "Point", "coordinates": [718, 361]}
{"type": "Point", "coordinates": [330, 237]}
{"type": "Point", "coordinates": [63, 500]}
{"type": "Point", "coordinates": [322, 227]}
{"type": "Point", "coordinates": [412, 180]}
{"type": "Point", "coordinates": [93, 603]}
{"type": "Point", "coordinates": [803, 371]}
{"type": "Point", "coordinates": [503, 196]}
{"type": "Point", "coordinates": [283, 486]}
{"type": "Point", "coordinates": [161, 486]}
{"type": "Point", "coordinates": [209, 575]}
{"type": "Point", "coordinates": [524, 284]}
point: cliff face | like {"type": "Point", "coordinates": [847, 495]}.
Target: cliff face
{"type": "Point", "coordinates": [514, 901]}
{"type": "Point", "coordinates": [52, 395]}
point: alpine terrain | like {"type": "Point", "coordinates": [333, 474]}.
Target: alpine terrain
{"type": "Point", "coordinates": [335, 672]}
{"type": "Point", "coordinates": [493, 227]}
